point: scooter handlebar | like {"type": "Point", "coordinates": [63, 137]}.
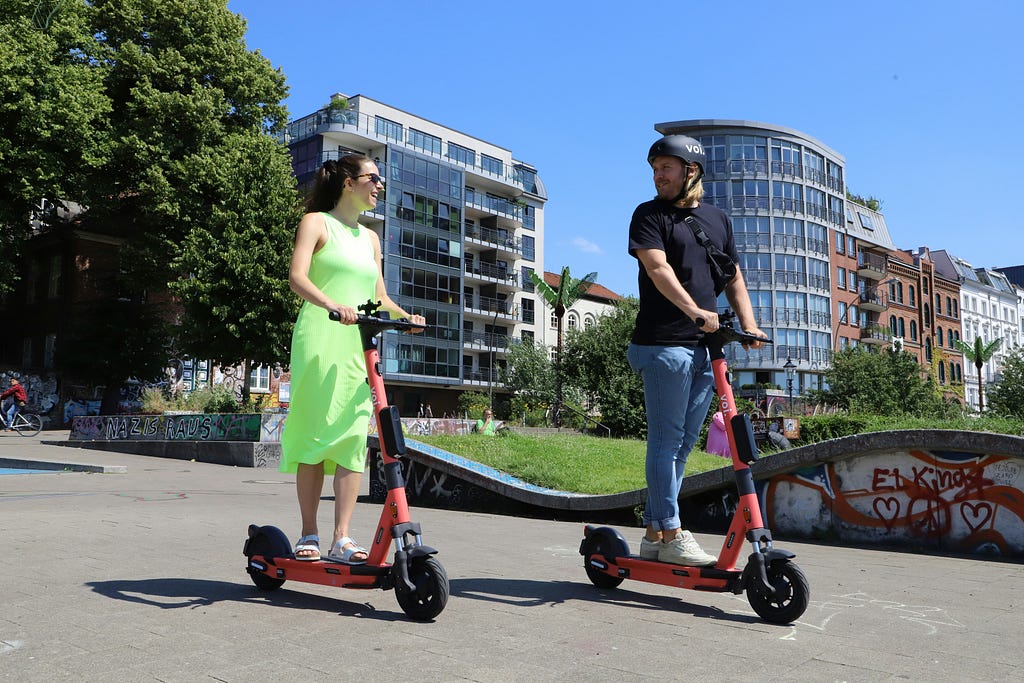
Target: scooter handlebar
{"type": "Point", "coordinates": [728, 332]}
{"type": "Point", "coordinates": [384, 323]}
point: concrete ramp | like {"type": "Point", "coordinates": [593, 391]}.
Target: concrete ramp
{"type": "Point", "coordinates": [945, 490]}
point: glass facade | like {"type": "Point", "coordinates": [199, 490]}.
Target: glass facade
{"type": "Point", "coordinates": [423, 264]}
{"type": "Point", "coordinates": [785, 194]}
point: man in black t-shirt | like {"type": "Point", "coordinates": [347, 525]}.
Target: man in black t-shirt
{"type": "Point", "coordinates": [677, 287]}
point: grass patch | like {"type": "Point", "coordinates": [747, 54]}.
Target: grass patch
{"type": "Point", "coordinates": [567, 462]}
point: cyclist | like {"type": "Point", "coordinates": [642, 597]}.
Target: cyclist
{"type": "Point", "coordinates": [18, 400]}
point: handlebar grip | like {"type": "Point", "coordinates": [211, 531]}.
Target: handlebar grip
{"type": "Point", "coordinates": [700, 322]}
{"type": "Point", "coordinates": [335, 316]}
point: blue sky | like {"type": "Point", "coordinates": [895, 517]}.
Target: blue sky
{"type": "Point", "coordinates": [923, 100]}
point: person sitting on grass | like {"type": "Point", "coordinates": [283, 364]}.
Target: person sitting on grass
{"type": "Point", "coordinates": [486, 425]}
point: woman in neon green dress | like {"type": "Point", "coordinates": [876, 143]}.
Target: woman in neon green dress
{"type": "Point", "coordinates": [336, 266]}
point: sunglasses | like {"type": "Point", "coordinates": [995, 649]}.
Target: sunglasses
{"type": "Point", "coordinates": [374, 178]}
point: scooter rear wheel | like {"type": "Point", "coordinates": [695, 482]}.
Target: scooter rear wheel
{"type": "Point", "coordinates": [266, 542]}
{"type": "Point", "coordinates": [599, 543]}
{"type": "Point", "coordinates": [431, 594]}
{"type": "Point", "coordinates": [793, 594]}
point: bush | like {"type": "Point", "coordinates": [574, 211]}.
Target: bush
{"type": "Point", "coordinates": [825, 427]}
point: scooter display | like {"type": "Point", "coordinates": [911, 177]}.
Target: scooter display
{"type": "Point", "coordinates": [776, 587]}
{"type": "Point", "coordinates": [419, 580]}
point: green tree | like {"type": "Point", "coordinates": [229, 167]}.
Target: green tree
{"type": "Point", "coordinates": [880, 383]}
{"type": "Point", "coordinates": [978, 352]}
{"type": "Point", "coordinates": [52, 105]}
{"type": "Point", "coordinates": [1006, 397]}
{"type": "Point", "coordinates": [595, 360]}
{"type": "Point", "coordinates": [568, 292]}
{"type": "Point", "coordinates": [238, 307]}
{"type": "Point", "coordinates": [527, 372]}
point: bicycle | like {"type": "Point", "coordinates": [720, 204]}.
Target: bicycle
{"type": "Point", "coordinates": [26, 424]}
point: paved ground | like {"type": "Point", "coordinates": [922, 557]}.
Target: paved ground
{"type": "Point", "coordinates": [136, 574]}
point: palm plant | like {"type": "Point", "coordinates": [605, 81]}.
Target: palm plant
{"type": "Point", "coordinates": [978, 353]}
{"type": "Point", "coordinates": [568, 292]}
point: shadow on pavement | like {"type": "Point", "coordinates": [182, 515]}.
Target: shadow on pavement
{"type": "Point", "coordinates": [525, 592]}
{"type": "Point", "coordinates": [177, 593]}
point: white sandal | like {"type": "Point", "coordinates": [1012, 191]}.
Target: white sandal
{"type": "Point", "coordinates": [339, 553]}
{"type": "Point", "coordinates": [310, 543]}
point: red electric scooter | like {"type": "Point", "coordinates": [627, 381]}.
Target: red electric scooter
{"type": "Point", "coordinates": [419, 580]}
{"type": "Point", "coordinates": [776, 587]}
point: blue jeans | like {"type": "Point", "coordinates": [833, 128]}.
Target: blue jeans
{"type": "Point", "coordinates": [678, 389]}
{"type": "Point", "coordinates": [11, 412]}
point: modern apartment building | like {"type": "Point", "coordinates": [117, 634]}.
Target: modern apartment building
{"type": "Point", "coordinates": [813, 261]}
{"type": "Point", "coordinates": [462, 226]}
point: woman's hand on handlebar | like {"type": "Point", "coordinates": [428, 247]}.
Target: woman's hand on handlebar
{"type": "Point", "coordinates": [418, 322]}
{"type": "Point", "coordinates": [346, 315]}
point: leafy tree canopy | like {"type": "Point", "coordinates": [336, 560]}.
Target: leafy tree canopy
{"type": "Point", "coordinates": [880, 383]}
{"type": "Point", "coordinates": [1006, 397]}
{"type": "Point", "coordinates": [528, 372]}
{"type": "Point", "coordinates": [595, 362]}
{"type": "Point", "coordinates": [234, 291]}
{"type": "Point", "coordinates": [52, 108]}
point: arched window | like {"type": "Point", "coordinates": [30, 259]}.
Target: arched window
{"type": "Point", "coordinates": [892, 325]}
{"type": "Point", "coordinates": [902, 328]}
{"type": "Point", "coordinates": [928, 349]}
{"type": "Point", "coordinates": [589, 321]}
{"type": "Point", "coordinates": [938, 333]}
{"type": "Point", "coordinates": [942, 372]}
{"type": "Point", "coordinates": [572, 320]}
{"type": "Point", "coordinates": [913, 330]}
{"type": "Point", "coordinates": [910, 295]}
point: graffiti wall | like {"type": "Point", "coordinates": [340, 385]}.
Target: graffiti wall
{"type": "Point", "coordinates": [219, 427]}
{"type": "Point", "coordinates": [41, 391]}
{"type": "Point", "coordinates": [955, 501]}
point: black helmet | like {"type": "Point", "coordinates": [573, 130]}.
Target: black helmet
{"type": "Point", "coordinates": [682, 146]}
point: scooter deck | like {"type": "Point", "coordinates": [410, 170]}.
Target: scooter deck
{"type": "Point", "coordinates": [636, 568]}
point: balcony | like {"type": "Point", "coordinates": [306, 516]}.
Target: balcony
{"type": "Point", "coordinates": [491, 272]}
{"type": "Point", "coordinates": [495, 237]}
{"type": "Point", "coordinates": [485, 340]}
{"type": "Point", "coordinates": [874, 301]}
{"type": "Point", "coordinates": [492, 307]}
{"type": "Point", "coordinates": [875, 335]}
{"type": "Point", "coordinates": [872, 266]}
{"type": "Point", "coordinates": [481, 376]}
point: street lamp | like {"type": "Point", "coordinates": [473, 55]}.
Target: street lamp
{"type": "Point", "coordinates": [790, 368]}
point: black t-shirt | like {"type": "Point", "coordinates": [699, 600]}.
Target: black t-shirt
{"type": "Point", "coordinates": [657, 224]}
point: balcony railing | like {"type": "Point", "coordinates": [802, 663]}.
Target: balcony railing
{"type": "Point", "coordinates": [480, 375]}
{"type": "Point", "coordinates": [325, 120]}
{"type": "Point", "coordinates": [488, 339]}
{"type": "Point", "coordinates": [491, 270]}
{"type": "Point", "coordinates": [501, 239]}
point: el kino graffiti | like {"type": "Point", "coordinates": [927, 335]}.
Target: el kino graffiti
{"type": "Point", "coordinates": [955, 501]}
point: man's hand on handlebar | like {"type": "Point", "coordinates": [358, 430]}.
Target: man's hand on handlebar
{"type": "Point", "coordinates": [757, 333]}
{"type": "Point", "coordinates": [707, 321]}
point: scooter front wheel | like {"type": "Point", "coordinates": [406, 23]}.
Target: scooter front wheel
{"type": "Point", "coordinates": [431, 594]}
{"type": "Point", "coordinates": [791, 597]}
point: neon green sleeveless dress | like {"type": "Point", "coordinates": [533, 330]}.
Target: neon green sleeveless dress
{"type": "Point", "coordinates": [330, 400]}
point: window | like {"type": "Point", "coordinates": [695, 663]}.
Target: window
{"type": "Point", "coordinates": [388, 129]}
{"type": "Point", "coordinates": [491, 164]}
{"type": "Point", "coordinates": [553, 321]}
{"type": "Point", "coordinates": [840, 243]}
{"type": "Point", "coordinates": [572, 321]}
{"type": "Point", "coordinates": [910, 297]}
{"type": "Point", "coordinates": [54, 289]}
{"type": "Point", "coordinates": [913, 330]}
{"type": "Point", "coordinates": [865, 221]}
{"type": "Point", "coordinates": [461, 154]}
{"type": "Point", "coordinates": [425, 141]}
{"type": "Point", "coordinates": [259, 379]}
{"type": "Point", "coordinates": [841, 278]}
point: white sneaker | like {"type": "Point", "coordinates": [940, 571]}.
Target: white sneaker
{"type": "Point", "coordinates": [649, 550]}
{"type": "Point", "coordinates": [685, 550]}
